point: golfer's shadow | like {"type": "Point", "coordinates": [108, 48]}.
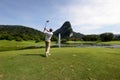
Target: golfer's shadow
{"type": "Point", "coordinates": [42, 55]}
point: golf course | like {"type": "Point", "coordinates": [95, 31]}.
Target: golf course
{"type": "Point", "coordinates": [60, 40]}
{"type": "Point", "coordinates": [65, 63]}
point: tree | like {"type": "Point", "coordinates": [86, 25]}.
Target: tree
{"type": "Point", "coordinates": [106, 36]}
{"type": "Point", "coordinates": [18, 33]}
{"type": "Point", "coordinates": [117, 37]}
{"type": "Point", "coordinates": [90, 37]}
{"type": "Point", "coordinates": [54, 38]}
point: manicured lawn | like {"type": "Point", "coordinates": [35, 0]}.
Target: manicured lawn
{"type": "Point", "coordinates": [13, 45]}
{"type": "Point", "coordinates": [63, 64]}
{"type": "Point", "coordinates": [112, 42]}
{"type": "Point", "coordinates": [6, 45]}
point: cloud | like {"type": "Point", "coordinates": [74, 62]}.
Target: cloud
{"type": "Point", "coordinates": [87, 28]}
{"type": "Point", "coordinates": [96, 13]}
{"type": "Point", "coordinates": [86, 16]}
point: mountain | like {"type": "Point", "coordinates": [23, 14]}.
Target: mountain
{"type": "Point", "coordinates": [17, 32]}
{"type": "Point", "coordinates": [66, 31]}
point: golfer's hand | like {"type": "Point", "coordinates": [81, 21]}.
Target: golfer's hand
{"type": "Point", "coordinates": [45, 28]}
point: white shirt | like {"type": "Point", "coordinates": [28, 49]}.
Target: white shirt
{"type": "Point", "coordinates": [48, 36]}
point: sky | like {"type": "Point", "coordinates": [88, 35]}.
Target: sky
{"type": "Point", "coordinates": [85, 16]}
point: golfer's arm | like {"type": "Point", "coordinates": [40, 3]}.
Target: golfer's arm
{"type": "Point", "coordinates": [45, 30]}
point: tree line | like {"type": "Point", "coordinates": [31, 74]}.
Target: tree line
{"type": "Point", "coordinates": [19, 33]}
{"type": "Point", "coordinates": [102, 37]}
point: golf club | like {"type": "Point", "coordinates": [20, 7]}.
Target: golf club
{"type": "Point", "coordinates": [46, 23]}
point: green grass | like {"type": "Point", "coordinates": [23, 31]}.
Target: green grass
{"type": "Point", "coordinates": [13, 45]}
{"type": "Point", "coordinates": [112, 42]}
{"type": "Point", "coordinates": [63, 64]}
{"type": "Point", "coordinates": [6, 45]}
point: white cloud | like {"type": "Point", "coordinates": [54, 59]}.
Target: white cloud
{"type": "Point", "coordinates": [93, 12]}
{"type": "Point", "coordinates": [86, 29]}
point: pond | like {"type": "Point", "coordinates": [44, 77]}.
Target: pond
{"type": "Point", "coordinates": [89, 45]}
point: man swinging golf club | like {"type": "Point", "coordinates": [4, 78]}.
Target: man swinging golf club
{"type": "Point", "coordinates": [48, 36]}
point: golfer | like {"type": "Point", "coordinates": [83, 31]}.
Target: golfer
{"type": "Point", "coordinates": [48, 36]}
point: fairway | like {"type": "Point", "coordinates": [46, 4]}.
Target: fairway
{"type": "Point", "coordinates": [63, 64]}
